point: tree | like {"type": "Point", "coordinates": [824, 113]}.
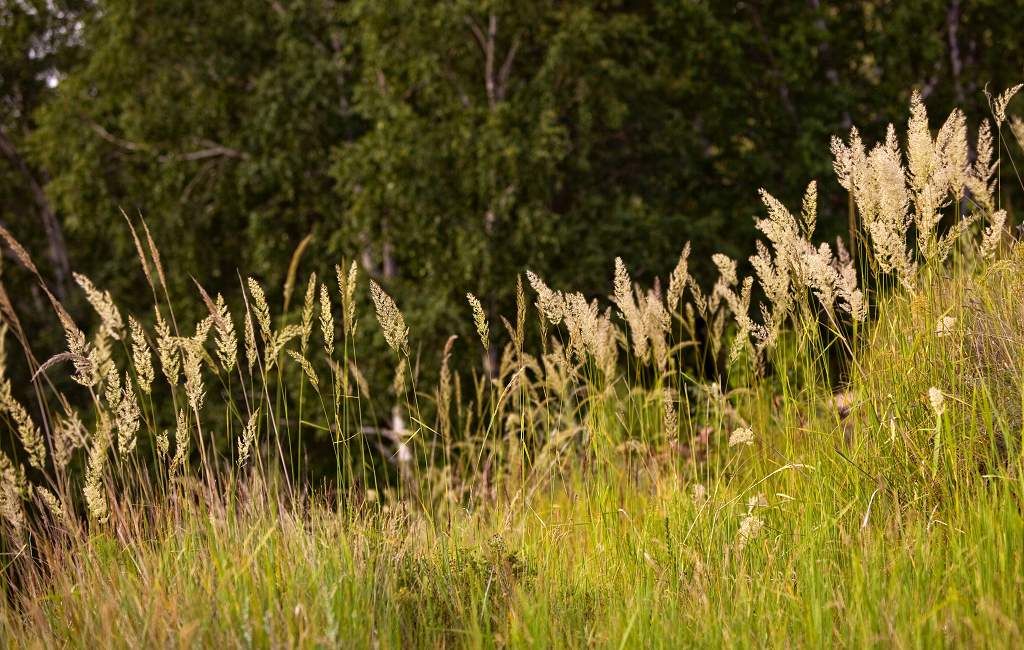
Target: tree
{"type": "Point", "coordinates": [212, 120]}
{"type": "Point", "coordinates": [39, 41]}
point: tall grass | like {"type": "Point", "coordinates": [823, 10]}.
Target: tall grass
{"type": "Point", "coordinates": [826, 452]}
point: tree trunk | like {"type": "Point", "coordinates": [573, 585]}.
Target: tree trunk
{"type": "Point", "coordinates": [58, 250]}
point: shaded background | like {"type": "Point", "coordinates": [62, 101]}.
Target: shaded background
{"type": "Point", "coordinates": [447, 146]}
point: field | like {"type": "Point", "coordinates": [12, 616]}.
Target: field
{"type": "Point", "coordinates": [825, 453]}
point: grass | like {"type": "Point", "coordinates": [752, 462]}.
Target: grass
{"type": "Point", "coordinates": [669, 471]}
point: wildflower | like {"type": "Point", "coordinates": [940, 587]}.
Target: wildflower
{"type": "Point", "coordinates": [700, 493]}
{"type": "Point", "coordinates": [945, 326]}
{"type": "Point", "coordinates": [750, 527]}
{"type": "Point", "coordinates": [741, 436]}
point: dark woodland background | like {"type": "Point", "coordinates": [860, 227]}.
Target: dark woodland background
{"type": "Point", "coordinates": [446, 146]}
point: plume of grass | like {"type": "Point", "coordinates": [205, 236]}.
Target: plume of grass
{"type": "Point", "coordinates": [103, 303]}
{"type": "Point", "coordinates": [326, 320]}
{"type": "Point", "coordinates": [480, 320]}
{"type": "Point", "coordinates": [347, 288]}
{"type": "Point", "coordinates": [308, 306]}
{"type": "Point", "coordinates": [181, 443]}
{"type": "Point", "coordinates": [167, 350]}
{"type": "Point", "coordinates": [142, 359]}
{"type": "Point", "coordinates": [392, 323]}
{"type": "Point", "coordinates": [247, 438]}
{"type": "Point", "coordinates": [95, 494]}
{"type": "Point", "coordinates": [262, 310]}
{"type": "Point", "coordinates": [29, 435]}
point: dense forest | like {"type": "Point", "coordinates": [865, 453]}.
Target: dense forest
{"type": "Point", "coordinates": [445, 146]}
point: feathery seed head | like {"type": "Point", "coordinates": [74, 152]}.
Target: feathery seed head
{"type": "Point", "coordinates": [194, 389]}
{"type": "Point", "coordinates": [326, 320]}
{"type": "Point", "coordinates": [181, 436]}
{"type": "Point", "coordinates": [245, 441]}
{"type": "Point", "coordinates": [392, 323]}
{"type": "Point", "coordinates": [549, 302]}
{"type": "Point", "coordinates": [167, 351]}
{"type": "Point", "coordinates": [307, 313]}
{"type": "Point", "coordinates": [809, 210]}
{"type": "Point", "coordinates": [993, 234]}
{"type": "Point", "coordinates": [1001, 102]}
{"type": "Point", "coordinates": [480, 320]}
{"type": "Point", "coordinates": [307, 369]}
{"type": "Point", "coordinates": [262, 310]}
{"type": "Point", "coordinates": [671, 419]}
{"type": "Point", "coordinates": [251, 353]}
{"type": "Point", "coordinates": [142, 359]}
{"type": "Point", "coordinates": [678, 280]}
{"type": "Point", "coordinates": [128, 415]}
{"type": "Point", "coordinates": [347, 287]}
{"type": "Point", "coordinates": [103, 303]}
{"type": "Point", "coordinates": [95, 496]}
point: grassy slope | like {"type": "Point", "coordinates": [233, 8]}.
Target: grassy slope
{"type": "Point", "coordinates": [873, 532]}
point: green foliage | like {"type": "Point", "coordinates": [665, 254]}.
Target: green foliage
{"type": "Point", "coordinates": [449, 146]}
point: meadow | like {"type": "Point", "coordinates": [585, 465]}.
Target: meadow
{"type": "Point", "coordinates": [827, 452]}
